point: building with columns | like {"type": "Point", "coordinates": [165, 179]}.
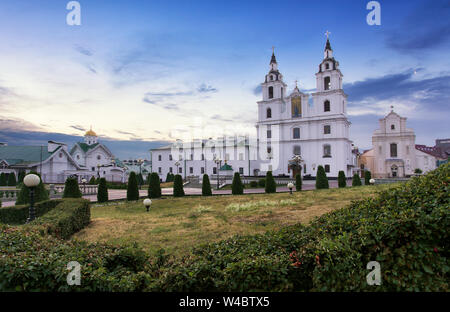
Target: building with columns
{"type": "Point", "coordinates": [287, 125]}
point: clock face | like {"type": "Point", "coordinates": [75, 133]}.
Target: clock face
{"type": "Point", "coordinates": [296, 106]}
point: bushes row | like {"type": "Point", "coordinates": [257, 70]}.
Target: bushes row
{"type": "Point", "coordinates": [19, 214]}
{"type": "Point", "coordinates": [67, 218]}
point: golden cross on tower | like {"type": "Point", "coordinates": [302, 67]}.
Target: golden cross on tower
{"type": "Point", "coordinates": [296, 83]}
{"type": "Point", "coordinates": [273, 49]}
{"type": "Point", "coordinates": [327, 33]}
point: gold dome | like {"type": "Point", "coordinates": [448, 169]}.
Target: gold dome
{"type": "Point", "coordinates": [90, 133]}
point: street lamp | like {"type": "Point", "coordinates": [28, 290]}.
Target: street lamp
{"type": "Point", "coordinates": [177, 163]}
{"type": "Point", "coordinates": [147, 203]}
{"type": "Point", "coordinates": [31, 181]}
{"type": "Point", "coordinates": [98, 170]}
{"type": "Point", "coordinates": [290, 186]}
{"type": "Point", "coordinates": [140, 162]}
{"type": "Point", "coordinates": [84, 184]}
{"type": "Point", "coordinates": [218, 161]}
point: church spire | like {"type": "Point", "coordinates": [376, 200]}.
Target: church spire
{"type": "Point", "coordinates": [328, 53]}
{"type": "Point", "coordinates": [273, 60]}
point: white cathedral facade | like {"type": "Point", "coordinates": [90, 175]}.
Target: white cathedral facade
{"type": "Point", "coordinates": [287, 125]}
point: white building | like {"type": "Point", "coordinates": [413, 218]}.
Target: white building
{"type": "Point", "coordinates": [395, 153]}
{"type": "Point", "coordinates": [287, 125]}
{"type": "Point", "coordinates": [55, 163]}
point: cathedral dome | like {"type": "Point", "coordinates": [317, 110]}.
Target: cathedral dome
{"type": "Point", "coordinates": [90, 133]}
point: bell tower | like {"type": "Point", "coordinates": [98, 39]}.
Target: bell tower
{"type": "Point", "coordinates": [273, 87]}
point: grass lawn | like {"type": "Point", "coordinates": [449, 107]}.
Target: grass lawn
{"type": "Point", "coordinates": [177, 224]}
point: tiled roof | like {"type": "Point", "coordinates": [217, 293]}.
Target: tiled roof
{"type": "Point", "coordinates": [226, 167]}
{"type": "Point", "coordinates": [433, 151]}
{"type": "Point", "coordinates": [85, 147]}
{"type": "Point", "coordinates": [24, 155]}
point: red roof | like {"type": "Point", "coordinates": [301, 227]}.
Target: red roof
{"type": "Point", "coordinates": [433, 151]}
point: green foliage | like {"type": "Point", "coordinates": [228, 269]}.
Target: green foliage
{"type": "Point", "coordinates": [12, 179]}
{"type": "Point", "coordinates": [140, 179]}
{"type": "Point", "coordinates": [178, 190]}
{"type": "Point", "coordinates": [19, 214]}
{"type": "Point", "coordinates": [132, 190]}
{"type": "Point", "coordinates": [417, 171]}
{"type": "Point", "coordinates": [154, 187]}
{"type": "Point", "coordinates": [67, 218]}
{"type": "Point", "coordinates": [262, 182]}
{"type": "Point", "coordinates": [236, 186]}
{"type": "Point", "coordinates": [92, 181]}
{"type": "Point", "coordinates": [253, 183]}
{"type": "Point", "coordinates": [298, 182]}
{"type": "Point", "coordinates": [102, 193]}
{"type": "Point", "coordinates": [169, 177]}
{"type": "Point", "coordinates": [40, 193]}
{"type": "Point", "coordinates": [321, 179]}
{"type": "Point", "coordinates": [367, 177]}
{"type": "Point", "coordinates": [72, 189]}
{"type": "Point", "coordinates": [206, 186]}
{"type": "Point", "coordinates": [356, 181]}
{"type": "Point", "coordinates": [3, 181]}
{"type": "Point", "coordinates": [271, 186]}
{"type": "Point", "coordinates": [342, 180]}
{"type": "Point", "coordinates": [21, 176]}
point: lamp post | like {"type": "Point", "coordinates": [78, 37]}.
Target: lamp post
{"type": "Point", "coordinates": [218, 161]}
{"type": "Point", "coordinates": [140, 162]}
{"type": "Point", "coordinates": [84, 185]}
{"type": "Point", "coordinates": [98, 170]}
{"type": "Point", "coordinates": [290, 186]}
{"type": "Point", "coordinates": [147, 203]}
{"type": "Point", "coordinates": [296, 161]}
{"type": "Point", "coordinates": [177, 163]}
{"type": "Point", "coordinates": [31, 181]}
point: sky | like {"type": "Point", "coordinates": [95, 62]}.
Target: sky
{"type": "Point", "coordinates": [143, 73]}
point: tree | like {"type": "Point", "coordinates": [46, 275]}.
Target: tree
{"type": "Point", "coordinates": [154, 187]}
{"type": "Point", "coordinates": [178, 190]}
{"type": "Point", "coordinates": [3, 181]}
{"type": "Point", "coordinates": [12, 179]}
{"type": "Point", "coordinates": [102, 193]}
{"type": "Point", "coordinates": [140, 179]}
{"type": "Point", "coordinates": [71, 188]}
{"type": "Point", "coordinates": [206, 186]}
{"type": "Point", "coordinates": [271, 186]}
{"type": "Point", "coordinates": [21, 176]}
{"type": "Point", "coordinates": [321, 179]}
{"type": "Point", "coordinates": [367, 177]}
{"type": "Point", "coordinates": [236, 186]}
{"type": "Point", "coordinates": [298, 182]}
{"type": "Point", "coordinates": [40, 193]}
{"type": "Point", "coordinates": [417, 171]}
{"type": "Point", "coordinates": [132, 189]}
{"type": "Point", "coordinates": [342, 181]}
{"type": "Point", "coordinates": [356, 180]}
{"type": "Point", "coordinates": [92, 181]}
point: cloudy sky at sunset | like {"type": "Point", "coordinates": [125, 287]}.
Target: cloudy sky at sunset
{"type": "Point", "coordinates": [144, 71]}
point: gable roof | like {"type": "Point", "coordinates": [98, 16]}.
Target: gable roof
{"type": "Point", "coordinates": [433, 151]}
{"type": "Point", "coordinates": [24, 155]}
{"type": "Point", "coordinates": [83, 146]}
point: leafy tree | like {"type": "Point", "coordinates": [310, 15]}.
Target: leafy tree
{"type": "Point", "coordinates": [262, 182]}
{"type": "Point", "coordinates": [206, 186]}
{"type": "Point", "coordinates": [12, 179]}
{"type": "Point", "coordinates": [418, 171]}
{"type": "Point", "coordinates": [132, 190]}
{"type": "Point", "coordinates": [71, 189]}
{"type": "Point", "coordinates": [321, 179]}
{"type": "Point", "coordinates": [342, 182]}
{"type": "Point", "coordinates": [169, 177]}
{"type": "Point", "coordinates": [271, 186]}
{"type": "Point", "coordinates": [178, 190]}
{"type": "Point", "coordinates": [40, 193]}
{"type": "Point", "coordinates": [154, 187]}
{"type": "Point", "coordinates": [92, 181]}
{"type": "Point", "coordinates": [298, 182]}
{"type": "Point", "coordinates": [3, 181]}
{"type": "Point", "coordinates": [102, 193]}
{"type": "Point", "coordinates": [236, 186]}
{"type": "Point", "coordinates": [367, 177]}
{"type": "Point", "coordinates": [356, 180]}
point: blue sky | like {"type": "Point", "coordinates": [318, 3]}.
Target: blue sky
{"type": "Point", "coordinates": [146, 71]}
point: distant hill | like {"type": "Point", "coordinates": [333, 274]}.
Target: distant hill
{"type": "Point", "coordinates": [121, 149]}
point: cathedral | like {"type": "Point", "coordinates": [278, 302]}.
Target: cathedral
{"type": "Point", "coordinates": [293, 135]}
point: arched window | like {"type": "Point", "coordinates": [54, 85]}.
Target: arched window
{"type": "Point", "coordinates": [297, 150]}
{"type": "Point", "coordinates": [269, 113]}
{"type": "Point", "coordinates": [271, 77]}
{"type": "Point", "coordinates": [326, 106]}
{"type": "Point", "coordinates": [270, 92]}
{"type": "Point", "coordinates": [327, 150]}
{"type": "Point", "coordinates": [327, 66]}
{"type": "Point", "coordinates": [392, 127]}
{"type": "Point", "coordinates": [327, 83]}
{"type": "Point", "coordinates": [296, 133]}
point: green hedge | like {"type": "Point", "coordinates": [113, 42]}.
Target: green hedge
{"type": "Point", "coordinates": [67, 218]}
{"type": "Point", "coordinates": [19, 214]}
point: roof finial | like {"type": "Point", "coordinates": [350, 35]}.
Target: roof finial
{"type": "Point", "coordinates": [327, 33]}
{"type": "Point", "coordinates": [392, 108]}
{"type": "Point", "coordinates": [273, 59]}
{"type": "Point", "coordinates": [273, 49]}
